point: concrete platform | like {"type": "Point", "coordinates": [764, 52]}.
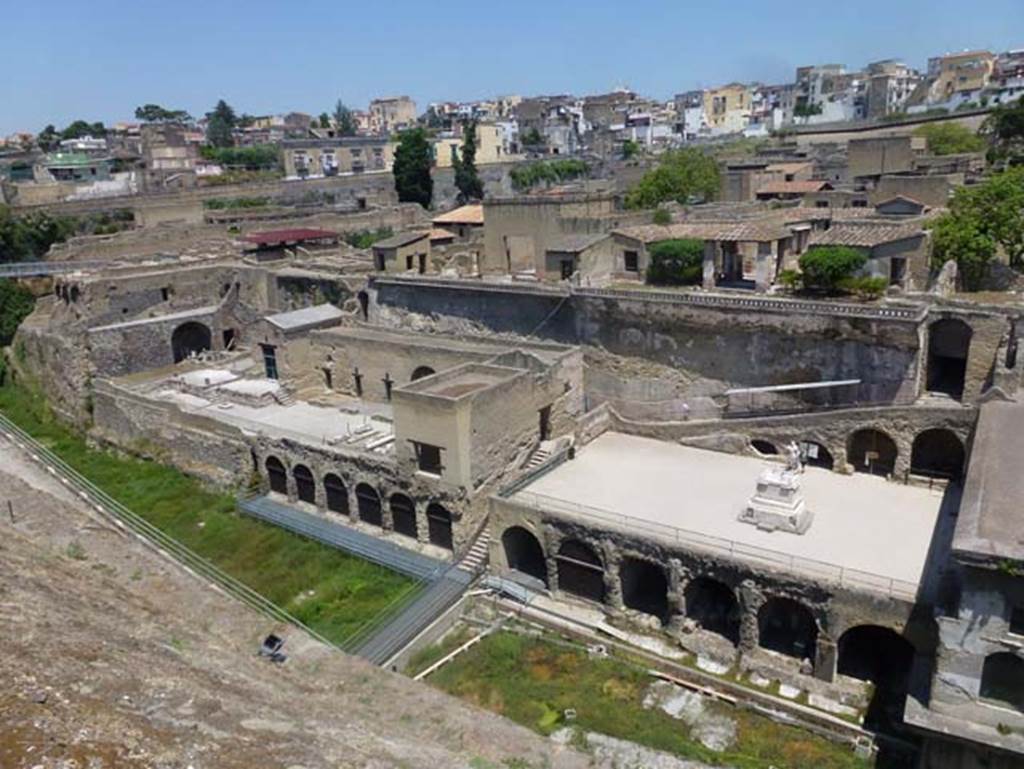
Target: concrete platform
{"type": "Point", "coordinates": [873, 531]}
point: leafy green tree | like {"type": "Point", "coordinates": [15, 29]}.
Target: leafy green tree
{"type": "Point", "coordinates": [154, 113]}
{"type": "Point", "coordinates": [996, 208]}
{"type": "Point", "coordinates": [220, 124]}
{"type": "Point", "coordinates": [963, 241]}
{"type": "Point", "coordinates": [686, 176]}
{"type": "Point", "coordinates": [661, 216]}
{"type": "Point", "coordinates": [28, 238]}
{"type": "Point", "coordinates": [825, 268]}
{"type": "Point", "coordinates": [630, 149]}
{"type": "Point", "coordinates": [411, 170]}
{"type": "Point", "coordinates": [324, 120]}
{"type": "Point", "coordinates": [1004, 129]}
{"type": "Point", "coordinates": [527, 177]}
{"type": "Point", "coordinates": [16, 302]}
{"type": "Point", "coordinates": [804, 109]}
{"type": "Point", "coordinates": [344, 122]}
{"type": "Point", "coordinates": [675, 262]}
{"type": "Point", "coordinates": [48, 139]}
{"type": "Point", "coordinates": [950, 138]}
{"type": "Point", "coordinates": [255, 158]}
{"type": "Point", "coordinates": [531, 137]}
{"type": "Point", "coordinates": [467, 180]}
{"type": "Point", "coordinates": [80, 128]}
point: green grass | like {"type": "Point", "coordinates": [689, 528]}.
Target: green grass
{"type": "Point", "coordinates": [533, 681]}
{"type": "Point", "coordinates": [332, 592]}
{"type": "Point", "coordinates": [427, 656]}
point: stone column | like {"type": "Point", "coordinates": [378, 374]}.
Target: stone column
{"type": "Point", "coordinates": [293, 492]}
{"type": "Point", "coordinates": [825, 659]}
{"type": "Point", "coordinates": [764, 267]}
{"type": "Point", "coordinates": [678, 579]}
{"type": "Point", "coordinates": [422, 527]}
{"type": "Point", "coordinates": [751, 601]}
{"type": "Point", "coordinates": [904, 446]}
{"type": "Point", "coordinates": [551, 542]}
{"type": "Point", "coordinates": [387, 520]}
{"type": "Point", "coordinates": [612, 578]}
{"type": "Point", "coordinates": [710, 258]}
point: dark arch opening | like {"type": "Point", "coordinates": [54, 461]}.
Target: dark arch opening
{"type": "Point", "coordinates": [816, 455]}
{"type": "Point", "coordinates": [277, 475]}
{"type": "Point", "coordinates": [644, 587]}
{"type": "Point", "coordinates": [883, 657]}
{"type": "Point", "coordinates": [937, 453]}
{"type": "Point", "coordinates": [787, 627]}
{"type": "Point", "coordinates": [524, 553]}
{"type": "Point", "coordinates": [439, 526]}
{"type": "Point", "coordinates": [713, 606]}
{"type": "Point", "coordinates": [422, 371]}
{"type": "Point", "coordinates": [872, 451]}
{"type": "Point", "coordinates": [580, 571]}
{"type": "Point", "coordinates": [949, 341]}
{"type": "Point", "coordinates": [305, 486]}
{"type": "Point", "coordinates": [337, 494]}
{"type": "Point", "coordinates": [403, 515]}
{"type": "Point", "coordinates": [188, 339]}
{"type": "Point", "coordinates": [764, 447]}
{"type": "Point", "coordinates": [1002, 680]}
{"type": "Point", "coordinates": [364, 304]}
{"type": "Point", "coordinates": [368, 503]}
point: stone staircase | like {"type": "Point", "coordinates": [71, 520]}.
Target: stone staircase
{"type": "Point", "coordinates": [476, 558]}
{"type": "Point", "coordinates": [540, 455]}
{"type": "Point", "coordinates": [284, 397]}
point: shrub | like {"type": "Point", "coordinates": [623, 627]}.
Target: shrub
{"type": "Point", "coordinates": [661, 216]}
{"type": "Point", "coordinates": [826, 267]}
{"type": "Point", "coordinates": [675, 262]}
{"type": "Point", "coordinates": [950, 138]}
{"type": "Point", "coordinates": [791, 279]}
{"type": "Point", "coordinates": [686, 176]}
{"type": "Point", "coordinates": [865, 286]}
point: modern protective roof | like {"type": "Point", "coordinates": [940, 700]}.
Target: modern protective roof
{"type": "Point", "coordinates": [401, 239]}
{"type": "Point", "coordinates": [308, 317]}
{"type": "Point", "coordinates": [865, 234]}
{"type": "Point", "coordinates": [280, 237]}
{"type": "Point", "coordinates": [469, 214]}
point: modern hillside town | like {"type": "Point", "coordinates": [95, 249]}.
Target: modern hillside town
{"type": "Point", "coordinates": [353, 414]}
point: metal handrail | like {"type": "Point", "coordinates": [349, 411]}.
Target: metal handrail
{"type": "Point", "coordinates": [147, 532]}
{"type": "Point", "coordinates": [842, 575]}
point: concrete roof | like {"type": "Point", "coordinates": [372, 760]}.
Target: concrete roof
{"type": "Point", "coordinates": [573, 244]}
{"type": "Point", "coordinates": [470, 214]}
{"type": "Point", "coordinates": [401, 239]}
{"type": "Point", "coordinates": [865, 234]}
{"type": "Point", "coordinates": [734, 231]}
{"type": "Point", "coordinates": [307, 317]}
{"type": "Point", "coordinates": [991, 520]}
{"type": "Point", "coordinates": [183, 315]}
{"type": "Point", "coordinates": [862, 524]}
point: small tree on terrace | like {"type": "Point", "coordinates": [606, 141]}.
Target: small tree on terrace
{"type": "Point", "coordinates": [466, 178]}
{"type": "Point", "coordinates": [220, 124]}
{"type": "Point", "coordinates": [825, 268]}
{"type": "Point", "coordinates": [676, 262]}
{"type": "Point", "coordinates": [411, 170]}
{"type": "Point", "coordinates": [343, 120]}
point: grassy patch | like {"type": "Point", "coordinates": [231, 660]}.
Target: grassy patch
{"type": "Point", "coordinates": [427, 656]}
{"type": "Point", "coordinates": [533, 681]}
{"type": "Point", "coordinates": [332, 592]}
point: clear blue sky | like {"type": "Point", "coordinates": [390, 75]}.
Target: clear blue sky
{"type": "Point", "coordinates": [99, 59]}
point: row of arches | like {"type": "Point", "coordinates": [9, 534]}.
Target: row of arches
{"type": "Point", "coordinates": [784, 625]}
{"type": "Point", "coordinates": [934, 453]}
{"type": "Point", "coordinates": [369, 505]}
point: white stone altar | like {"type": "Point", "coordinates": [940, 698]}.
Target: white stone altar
{"type": "Point", "coordinates": [778, 503]}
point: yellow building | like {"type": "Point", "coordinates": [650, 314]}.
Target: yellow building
{"type": "Point", "coordinates": [727, 109]}
{"type": "Point", "coordinates": [968, 71]}
{"type": "Point", "coordinates": [489, 146]}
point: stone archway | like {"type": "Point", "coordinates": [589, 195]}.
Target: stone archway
{"type": "Point", "coordinates": [420, 372]}
{"type": "Point", "coordinates": [714, 607]}
{"type": "Point", "coordinates": [874, 653]}
{"type": "Point", "coordinates": [439, 526]}
{"type": "Point", "coordinates": [1002, 680]}
{"type": "Point", "coordinates": [403, 515]}
{"type": "Point", "coordinates": [336, 493]}
{"type": "Point", "coordinates": [277, 476]}
{"type": "Point", "coordinates": [189, 339]}
{"type": "Point", "coordinates": [787, 627]}
{"type": "Point", "coordinates": [937, 453]}
{"type": "Point", "coordinates": [368, 504]}
{"type": "Point", "coordinates": [763, 447]}
{"type": "Point", "coordinates": [816, 455]}
{"type": "Point", "coordinates": [644, 587]}
{"type": "Point", "coordinates": [580, 570]}
{"type": "Point", "coordinates": [872, 451]}
{"type": "Point", "coordinates": [305, 486]}
{"type": "Point", "coordinates": [524, 554]}
{"type": "Point", "coordinates": [949, 343]}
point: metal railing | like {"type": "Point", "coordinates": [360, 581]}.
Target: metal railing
{"type": "Point", "coordinates": [149, 534]}
{"type": "Point", "coordinates": [36, 269]}
{"type": "Point", "coordinates": [842, 575]}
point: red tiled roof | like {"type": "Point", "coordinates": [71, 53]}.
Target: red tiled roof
{"type": "Point", "coordinates": [296, 235]}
